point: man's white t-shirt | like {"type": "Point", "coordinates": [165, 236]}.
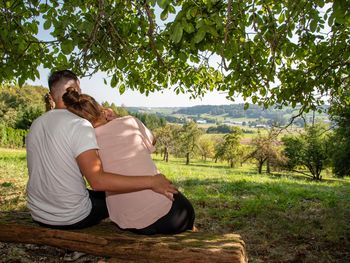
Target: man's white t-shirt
{"type": "Point", "coordinates": [56, 189]}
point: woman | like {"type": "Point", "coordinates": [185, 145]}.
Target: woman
{"type": "Point", "coordinates": [125, 148]}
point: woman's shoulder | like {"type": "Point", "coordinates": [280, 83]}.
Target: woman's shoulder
{"type": "Point", "coordinates": [127, 121]}
{"type": "Point", "coordinates": [124, 119]}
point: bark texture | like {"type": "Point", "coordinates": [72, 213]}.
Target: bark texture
{"type": "Point", "coordinates": [106, 240]}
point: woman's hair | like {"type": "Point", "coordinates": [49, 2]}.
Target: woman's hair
{"type": "Point", "coordinates": [82, 105]}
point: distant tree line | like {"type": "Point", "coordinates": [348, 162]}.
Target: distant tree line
{"type": "Point", "coordinates": [152, 121]}
{"type": "Point", "coordinates": [270, 116]}
{"type": "Point", "coordinates": [310, 152]}
{"type": "Point", "coordinates": [19, 107]}
{"type": "Point", "coordinates": [224, 128]}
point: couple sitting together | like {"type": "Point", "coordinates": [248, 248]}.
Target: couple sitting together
{"type": "Point", "coordinates": [80, 140]}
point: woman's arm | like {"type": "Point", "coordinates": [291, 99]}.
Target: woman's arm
{"type": "Point", "coordinates": [91, 167]}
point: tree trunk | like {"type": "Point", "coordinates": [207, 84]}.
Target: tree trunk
{"type": "Point", "coordinates": [268, 166]}
{"type": "Point", "coordinates": [260, 167]}
{"type": "Point", "coordinates": [132, 248]}
{"type": "Point", "coordinates": [187, 158]}
{"type": "Point", "coordinates": [167, 156]}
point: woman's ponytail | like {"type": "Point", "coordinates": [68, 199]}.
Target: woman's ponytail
{"type": "Point", "coordinates": [71, 98]}
{"type": "Point", "coordinates": [82, 105]}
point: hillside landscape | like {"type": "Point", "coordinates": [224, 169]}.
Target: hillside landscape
{"type": "Point", "coordinates": [235, 114]}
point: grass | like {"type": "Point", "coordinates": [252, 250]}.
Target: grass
{"type": "Point", "coordinates": [282, 217]}
{"type": "Point", "coordinates": [13, 178]}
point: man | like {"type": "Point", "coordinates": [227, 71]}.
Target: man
{"type": "Point", "coordinates": [61, 151]}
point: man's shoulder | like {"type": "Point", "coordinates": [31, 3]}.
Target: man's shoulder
{"type": "Point", "coordinates": [60, 119]}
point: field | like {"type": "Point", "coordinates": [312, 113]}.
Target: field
{"type": "Point", "coordinates": [282, 217]}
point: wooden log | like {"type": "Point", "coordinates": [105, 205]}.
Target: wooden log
{"type": "Point", "coordinates": [106, 240]}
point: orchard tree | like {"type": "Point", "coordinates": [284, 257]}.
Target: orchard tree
{"type": "Point", "coordinates": [206, 147]}
{"type": "Point", "coordinates": [229, 149]}
{"type": "Point", "coordinates": [308, 150]}
{"type": "Point", "coordinates": [265, 150]}
{"type": "Point", "coordinates": [340, 139]}
{"type": "Point", "coordinates": [187, 139]}
{"type": "Point", "coordinates": [218, 148]}
{"type": "Point", "coordinates": [272, 52]}
{"type": "Point", "coordinates": [165, 137]}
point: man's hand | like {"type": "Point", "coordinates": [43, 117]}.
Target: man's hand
{"type": "Point", "coordinates": [163, 186]}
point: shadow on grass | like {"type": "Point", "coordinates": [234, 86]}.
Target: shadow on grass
{"type": "Point", "coordinates": [275, 215]}
{"type": "Point", "coordinates": [281, 188]}
{"type": "Point", "coordinates": [306, 178]}
{"type": "Point", "coordinates": [220, 166]}
{"type": "Point", "coordinates": [8, 158]}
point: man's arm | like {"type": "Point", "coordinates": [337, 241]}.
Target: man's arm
{"type": "Point", "coordinates": [91, 167]}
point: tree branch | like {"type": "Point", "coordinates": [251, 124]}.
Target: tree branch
{"type": "Point", "coordinates": [150, 34]}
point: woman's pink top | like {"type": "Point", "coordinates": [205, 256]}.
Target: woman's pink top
{"type": "Point", "coordinates": [125, 148]}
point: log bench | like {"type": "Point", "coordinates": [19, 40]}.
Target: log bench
{"type": "Point", "coordinates": [106, 240]}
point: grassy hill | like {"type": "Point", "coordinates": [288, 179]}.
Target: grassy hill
{"type": "Point", "coordinates": [282, 217]}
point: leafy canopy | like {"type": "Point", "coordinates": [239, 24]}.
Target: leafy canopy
{"type": "Point", "coordinates": [274, 52]}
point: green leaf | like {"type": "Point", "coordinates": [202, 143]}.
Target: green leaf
{"type": "Point", "coordinates": [281, 18]}
{"type": "Point", "coordinates": [188, 27]}
{"type": "Point", "coordinates": [67, 47]}
{"type": "Point", "coordinates": [199, 35]}
{"type": "Point", "coordinates": [121, 63]}
{"type": "Point", "coordinates": [194, 59]}
{"type": "Point", "coordinates": [47, 24]}
{"type": "Point", "coordinates": [34, 27]}
{"type": "Point", "coordinates": [183, 56]}
{"type": "Point", "coordinates": [163, 3]}
{"type": "Point", "coordinates": [114, 81]}
{"type": "Point", "coordinates": [62, 59]}
{"type": "Point", "coordinates": [43, 8]}
{"type": "Point", "coordinates": [151, 2]}
{"type": "Point", "coordinates": [212, 31]}
{"type": "Point", "coordinates": [331, 20]}
{"type": "Point", "coordinates": [121, 88]}
{"type": "Point", "coordinates": [172, 9]}
{"type": "Point", "coordinates": [313, 25]}
{"type": "Point", "coordinates": [246, 106]}
{"type": "Point", "coordinates": [21, 81]}
{"type": "Point", "coordinates": [177, 33]}
{"type": "Point", "coordinates": [254, 99]}
{"type": "Point", "coordinates": [164, 14]}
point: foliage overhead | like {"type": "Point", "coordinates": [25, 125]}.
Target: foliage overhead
{"type": "Point", "coordinates": [274, 52]}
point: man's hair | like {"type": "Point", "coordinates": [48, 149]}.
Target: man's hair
{"type": "Point", "coordinates": [56, 76]}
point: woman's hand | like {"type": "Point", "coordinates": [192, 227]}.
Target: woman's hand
{"type": "Point", "coordinates": [163, 186]}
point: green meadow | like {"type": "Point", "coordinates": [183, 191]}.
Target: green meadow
{"type": "Point", "coordinates": [282, 217]}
